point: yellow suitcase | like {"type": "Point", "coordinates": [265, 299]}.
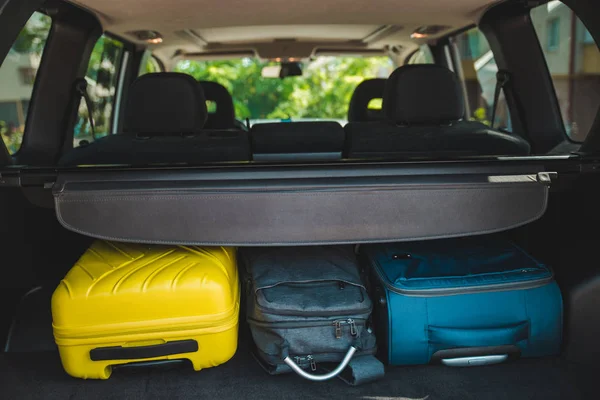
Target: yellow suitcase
{"type": "Point", "coordinates": [126, 303]}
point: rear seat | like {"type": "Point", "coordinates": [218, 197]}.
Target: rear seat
{"type": "Point", "coordinates": [224, 116]}
{"type": "Point", "coordinates": [297, 141]}
{"type": "Point", "coordinates": [367, 90]}
{"type": "Point", "coordinates": [424, 109]}
{"type": "Point", "coordinates": [163, 124]}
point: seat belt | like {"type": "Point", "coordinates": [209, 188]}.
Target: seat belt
{"type": "Point", "coordinates": [502, 78]}
{"type": "Point", "coordinates": [81, 86]}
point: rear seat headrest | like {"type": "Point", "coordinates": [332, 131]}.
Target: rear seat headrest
{"type": "Point", "coordinates": [367, 90]}
{"type": "Point", "coordinates": [423, 94]}
{"type": "Point", "coordinates": [165, 102]}
{"type": "Point", "coordinates": [224, 117]}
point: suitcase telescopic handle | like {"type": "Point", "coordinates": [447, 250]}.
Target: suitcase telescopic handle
{"type": "Point", "coordinates": [324, 377]}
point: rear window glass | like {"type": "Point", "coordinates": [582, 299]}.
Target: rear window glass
{"type": "Point", "coordinates": [149, 65]}
{"type": "Point", "coordinates": [322, 92]}
{"type": "Point", "coordinates": [17, 77]}
{"type": "Point", "coordinates": [422, 56]}
{"type": "Point", "coordinates": [573, 60]}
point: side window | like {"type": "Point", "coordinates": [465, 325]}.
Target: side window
{"type": "Point", "coordinates": [102, 77]}
{"type": "Point", "coordinates": [573, 60]}
{"type": "Point", "coordinates": [421, 56]}
{"type": "Point", "coordinates": [149, 65]}
{"type": "Point", "coordinates": [479, 70]}
{"type": "Point", "coordinates": [17, 77]}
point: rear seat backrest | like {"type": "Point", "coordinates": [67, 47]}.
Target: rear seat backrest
{"type": "Point", "coordinates": [297, 141]}
{"type": "Point", "coordinates": [163, 124]}
{"type": "Point", "coordinates": [358, 110]}
{"type": "Point", "coordinates": [424, 110]}
{"type": "Point", "coordinates": [224, 116]}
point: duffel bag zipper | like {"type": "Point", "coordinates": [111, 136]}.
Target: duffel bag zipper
{"type": "Point", "coordinates": [309, 359]}
{"type": "Point", "coordinates": [338, 327]}
{"type": "Point", "coordinates": [302, 360]}
{"type": "Point", "coordinates": [366, 310]}
{"type": "Point", "coordinates": [341, 283]}
{"type": "Point", "coordinates": [337, 324]}
{"type": "Point", "coordinates": [498, 287]}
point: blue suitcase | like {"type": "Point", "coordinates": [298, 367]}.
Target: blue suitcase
{"type": "Point", "coordinates": [462, 302]}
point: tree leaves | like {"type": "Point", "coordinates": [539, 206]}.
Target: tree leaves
{"type": "Point", "coordinates": [323, 91]}
{"type": "Point", "coordinates": [32, 38]}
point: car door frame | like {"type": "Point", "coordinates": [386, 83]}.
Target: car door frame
{"type": "Point", "coordinates": [531, 99]}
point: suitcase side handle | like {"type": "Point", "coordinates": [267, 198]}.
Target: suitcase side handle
{"type": "Point", "coordinates": [324, 377]}
{"type": "Point", "coordinates": [143, 352]}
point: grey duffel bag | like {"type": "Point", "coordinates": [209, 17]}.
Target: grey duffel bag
{"type": "Point", "coordinates": [308, 311]}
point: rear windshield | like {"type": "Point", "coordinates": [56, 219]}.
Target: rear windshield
{"type": "Point", "coordinates": [322, 92]}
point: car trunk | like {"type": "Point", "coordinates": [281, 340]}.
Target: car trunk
{"type": "Point", "coordinates": [40, 375]}
{"type": "Point", "coordinates": [38, 251]}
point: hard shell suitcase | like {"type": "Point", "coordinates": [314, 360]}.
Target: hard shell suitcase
{"type": "Point", "coordinates": [128, 303]}
{"type": "Point", "coordinates": [307, 306]}
{"type": "Point", "coordinates": [467, 301]}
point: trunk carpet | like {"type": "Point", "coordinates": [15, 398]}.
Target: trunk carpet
{"type": "Point", "coordinates": [39, 375]}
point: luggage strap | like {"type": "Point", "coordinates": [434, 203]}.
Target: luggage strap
{"type": "Point", "coordinates": [361, 370]}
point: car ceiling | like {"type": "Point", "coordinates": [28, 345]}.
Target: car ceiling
{"type": "Point", "coordinates": [218, 27]}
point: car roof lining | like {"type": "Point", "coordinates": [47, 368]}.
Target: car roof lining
{"type": "Point", "coordinates": [188, 26]}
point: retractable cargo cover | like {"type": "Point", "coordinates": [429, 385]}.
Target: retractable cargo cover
{"type": "Point", "coordinates": [294, 206]}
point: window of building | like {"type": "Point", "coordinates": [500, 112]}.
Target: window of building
{"type": "Point", "coordinates": [27, 75]}
{"type": "Point", "coordinates": [102, 77]}
{"type": "Point", "coordinates": [573, 60]}
{"type": "Point", "coordinates": [553, 34]}
{"type": "Point", "coordinates": [587, 37]}
{"type": "Point", "coordinates": [17, 77]}
{"type": "Point", "coordinates": [421, 56]}
{"type": "Point", "coordinates": [479, 70]}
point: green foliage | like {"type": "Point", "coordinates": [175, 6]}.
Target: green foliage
{"type": "Point", "coordinates": [375, 104]}
{"type": "Point", "coordinates": [102, 79]}
{"type": "Point", "coordinates": [12, 137]}
{"type": "Point", "coordinates": [480, 115]}
{"type": "Point", "coordinates": [32, 37]}
{"type": "Point", "coordinates": [323, 91]}
{"type": "Point", "coordinates": [149, 65]}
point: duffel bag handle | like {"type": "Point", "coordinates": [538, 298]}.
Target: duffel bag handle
{"type": "Point", "coordinates": [324, 377]}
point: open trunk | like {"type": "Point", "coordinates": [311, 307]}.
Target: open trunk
{"type": "Point", "coordinates": [39, 251]}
